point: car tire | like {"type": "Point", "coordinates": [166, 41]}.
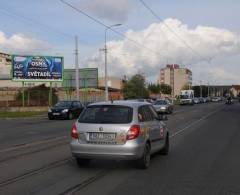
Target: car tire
{"type": "Point", "coordinates": [82, 161]}
{"type": "Point", "coordinates": [70, 116]}
{"type": "Point", "coordinates": [169, 111]}
{"type": "Point", "coordinates": [165, 149]}
{"type": "Point", "coordinates": [144, 161]}
{"type": "Point", "coordinates": [50, 117]}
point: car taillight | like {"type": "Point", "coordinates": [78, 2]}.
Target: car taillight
{"type": "Point", "coordinates": [74, 133]}
{"type": "Point", "coordinates": [161, 132]}
{"type": "Point", "coordinates": [133, 132]}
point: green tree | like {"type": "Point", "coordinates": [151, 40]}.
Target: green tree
{"type": "Point", "coordinates": [186, 87]}
{"type": "Point", "coordinates": [135, 88]}
{"type": "Point", "coordinates": [166, 89]}
{"type": "Point", "coordinates": [153, 88]}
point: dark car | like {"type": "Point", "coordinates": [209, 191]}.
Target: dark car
{"type": "Point", "coordinates": [66, 110]}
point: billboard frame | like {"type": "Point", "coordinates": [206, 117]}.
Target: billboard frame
{"type": "Point", "coordinates": [84, 79]}
{"type": "Point", "coordinates": [36, 80]}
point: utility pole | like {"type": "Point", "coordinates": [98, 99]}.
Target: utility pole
{"type": "Point", "coordinates": [200, 88]}
{"type": "Point", "coordinates": [208, 89]}
{"type": "Point", "coordinates": [76, 67]}
{"type": "Point", "coordinates": [105, 51]}
{"type": "Point", "coordinates": [106, 75]}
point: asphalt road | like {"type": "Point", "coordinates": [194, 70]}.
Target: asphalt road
{"type": "Point", "coordinates": [204, 158]}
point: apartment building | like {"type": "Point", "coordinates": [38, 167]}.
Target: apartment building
{"type": "Point", "coordinates": [176, 77]}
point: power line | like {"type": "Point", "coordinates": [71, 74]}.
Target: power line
{"type": "Point", "coordinates": [171, 30]}
{"type": "Point", "coordinates": [48, 28]}
{"type": "Point", "coordinates": [106, 26]}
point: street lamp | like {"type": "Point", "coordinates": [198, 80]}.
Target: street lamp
{"type": "Point", "coordinates": [105, 50]}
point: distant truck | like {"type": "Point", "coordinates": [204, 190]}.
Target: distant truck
{"type": "Point", "coordinates": [186, 97]}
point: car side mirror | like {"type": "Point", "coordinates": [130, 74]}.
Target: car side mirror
{"type": "Point", "coordinates": [162, 117]}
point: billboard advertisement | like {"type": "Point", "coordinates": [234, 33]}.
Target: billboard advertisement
{"type": "Point", "coordinates": [88, 78]}
{"type": "Point", "coordinates": [37, 68]}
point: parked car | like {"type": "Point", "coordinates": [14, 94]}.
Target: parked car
{"type": "Point", "coordinates": [65, 109]}
{"type": "Point", "coordinates": [119, 130]}
{"type": "Point", "coordinates": [216, 99]}
{"type": "Point", "coordinates": [196, 100]}
{"type": "Point", "coordinates": [163, 106]}
{"type": "Point", "coordinates": [204, 100]}
{"type": "Point", "coordinates": [208, 99]}
{"type": "Point", "coordinates": [201, 100]}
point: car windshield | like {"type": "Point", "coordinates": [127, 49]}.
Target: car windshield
{"type": "Point", "coordinates": [160, 102]}
{"type": "Point", "coordinates": [63, 104]}
{"type": "Point", "coordinates": [184, 97]}
{"type": "Point", "coordinates": [106, 114]}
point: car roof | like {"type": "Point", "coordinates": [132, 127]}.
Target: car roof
{"type": "Point", "coordinates": [69, 101]}
{"type": "Point", "coordinates": [133, 104]}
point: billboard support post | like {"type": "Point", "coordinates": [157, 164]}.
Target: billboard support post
{"type": "Point", "coordinates": [50, 95]}
{"type": "Point", "coordinates": [23, 101]}
{"type": "Point", "coordinates": [28, 98]}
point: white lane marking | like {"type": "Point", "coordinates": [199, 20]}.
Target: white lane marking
{"type": "Point", "coordinates": [194, 123]}
{"type": "Point", "coordinates": [191, 108]}
{"type": "Point", "coordinates": [25, 145]}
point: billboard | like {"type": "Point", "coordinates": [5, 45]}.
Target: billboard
{"type": "Point", "coordinates": [88, 78]}
{"type": "Point", "coordinates": [5, 66]}
{"type": "Point", "coordinates": [37, 68]}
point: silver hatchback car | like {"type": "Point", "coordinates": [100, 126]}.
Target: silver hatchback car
{"type": "Point", "coordinates": [121, 130]}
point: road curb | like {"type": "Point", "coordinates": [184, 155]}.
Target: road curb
{"type": "Point", "coordinates": [24, 118]}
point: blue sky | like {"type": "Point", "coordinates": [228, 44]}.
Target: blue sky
{"type": "Point", "coordinates": [55, 23]}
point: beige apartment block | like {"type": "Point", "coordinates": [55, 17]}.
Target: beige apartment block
{"type": "Point", "coordinates": [176, 77]}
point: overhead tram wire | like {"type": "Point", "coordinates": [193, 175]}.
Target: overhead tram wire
{"type": "Point", "coordinates": [106, 26]}
{"type": "Point", "coordinates": [28, 21]}
{"type": "Point", "coordinates": [23, 18]}
{"type": "Point", "coordinates": [172, 31]}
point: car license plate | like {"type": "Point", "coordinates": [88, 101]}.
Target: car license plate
{"type": "Point", "coordinates": [102, 136]}
{"type": "Point", "coordinates": [56, 114]}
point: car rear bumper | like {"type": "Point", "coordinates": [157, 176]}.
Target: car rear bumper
{"type": "Point", "coordinates": [128, 151]}
{"type": "Point", "coordinates": [162, 111]}
{"type": "Point", "coordinates": [184, 102]}
{"type": "Point", "coordinates": [60, 115]}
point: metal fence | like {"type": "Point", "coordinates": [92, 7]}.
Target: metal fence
{"type": "Point", "coordinates": [16, 98]}
{"type": "Point", "coordinates": [87, 96]}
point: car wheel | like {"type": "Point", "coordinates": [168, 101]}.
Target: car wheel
{"type": "Point", "coordinates": [50, 117]}
{"type": "Point", "coordinates": [70, 116]}
{"type": "Point", "coordinates": [144, 161]}
{"type": "Point", "coordinates": [82, 161]}
{"type": "Point", "coordinates": [165, 149]}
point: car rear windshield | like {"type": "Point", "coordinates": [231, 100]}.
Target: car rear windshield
{"type": "Point", "coordinates": [108, 114]}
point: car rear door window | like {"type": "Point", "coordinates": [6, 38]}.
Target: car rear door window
{"type": "Point", "coordinates": [144, 114]}
{"type": "Point", "coordinates": [153, 112]}
{"type": "Point", "coordinates": [148, 113]}
{"type": "Point", "coordinates": [141, 115]}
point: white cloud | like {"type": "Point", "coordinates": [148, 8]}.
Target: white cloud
{"type": "Point", "coordinates": [116, 11]}
{"type": "Point", "coordinates": [22, 44]}
{"type": "Point", "coordinates": [219, 45]}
